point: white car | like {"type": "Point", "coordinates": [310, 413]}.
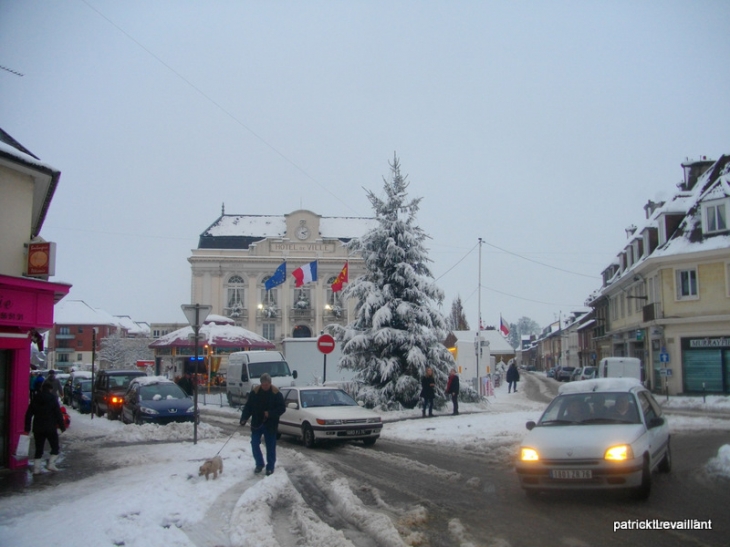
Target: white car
{"type": "Point", "coordinates": [605, 433]}
{"type": "Point", "coordinates": [321, 413]}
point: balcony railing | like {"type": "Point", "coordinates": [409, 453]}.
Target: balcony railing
{"type": "Point", "coordinates": [652, 312]}
{"type": "Point", "coordinates": [65, 336]}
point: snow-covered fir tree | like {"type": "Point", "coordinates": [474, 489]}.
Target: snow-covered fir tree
{"type": "Point", "coordinates": [397, 330]}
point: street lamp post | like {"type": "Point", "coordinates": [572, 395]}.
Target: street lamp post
{"type": "Point", "coordinates": [93, 359]}
{"type": "Point", "coordinates": [195, 314]}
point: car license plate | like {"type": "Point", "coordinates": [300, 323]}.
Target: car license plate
{"type": "Point", "coordinates": [356, 432]}
{"type": "Point", "coordinates": [575, 474]}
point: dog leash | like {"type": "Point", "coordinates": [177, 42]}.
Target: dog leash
{"type": "Point", "coordinates": [225, 443]}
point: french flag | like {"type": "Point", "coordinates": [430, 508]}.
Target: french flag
{"type": "Point", "coordinates": [503, 326]}
{"type": "Point", "coordinates": [305, 274]}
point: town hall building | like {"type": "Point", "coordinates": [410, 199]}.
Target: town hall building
{"type": "Point", "coordinates": [238, 254]}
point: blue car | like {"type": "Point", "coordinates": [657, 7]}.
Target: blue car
{"type": "Point", "coordinates": [81, 396]}
{"type": "Point", "coordinates": [156, 400]}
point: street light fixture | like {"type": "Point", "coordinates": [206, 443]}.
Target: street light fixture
{"type": "Point", "coordinates": [196, 314]}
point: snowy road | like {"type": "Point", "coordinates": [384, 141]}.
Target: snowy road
{"type": "Point", "coordinates": [446, 481]}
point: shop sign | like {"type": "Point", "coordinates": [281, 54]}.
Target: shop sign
{"type": "Point", "coordinates": [41, 259]}
{"type": "Point", "coordinates": [17, 308]}
{"type": "Point", "coordinates": [721, 342]}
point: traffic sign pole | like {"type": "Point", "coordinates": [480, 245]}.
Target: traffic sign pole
{"type": "Point", "coordinates": [325, 344]}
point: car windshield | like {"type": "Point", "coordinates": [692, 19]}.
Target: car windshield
{"type": "Point", "coordinates": [591, 408]}
{"type": "Point", "coordinates": [326, 397]}
{"type": "Point", "coordinates": [84, 386]}
{"type": "Point", "coordinates": [119, 381]}
{"type": "Point", "coordinates": [274, 369]}
{"type": "Point", "coordinates": [158, 392]}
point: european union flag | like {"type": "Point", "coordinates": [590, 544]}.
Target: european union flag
{"type": "Point", "coordinates": [278, 278]}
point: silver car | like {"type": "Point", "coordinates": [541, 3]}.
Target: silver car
{"type": "Point", "coordinates": [606, 433]}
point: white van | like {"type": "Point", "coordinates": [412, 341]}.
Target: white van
{"type": "Point", "coordinates": [620, 367]}
{"type": "Point", "coordinates": [246, 367]}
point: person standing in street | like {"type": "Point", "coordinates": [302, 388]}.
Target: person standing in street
{"type": "Point", "coordinates": [45, 413]}
{"type": "Point", "coordinates": [513, 376]}
{"type": "Point", "coordinates": [55, 383]}
{"type": "Point", "coordinates": [264, 406]}
{"type": "Point", "coordinates": [452, 388]}
{"type": "Point", "coordinates": [186, 384]}
{"type": "Point", "coordinates": [428, 391]}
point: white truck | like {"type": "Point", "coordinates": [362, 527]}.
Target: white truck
{"type": "Point", "coordinates": [620, 367]}
{"type": "Point", "coordinates": [245, 369]}
{"type": "Point", "coordinates": [303, 354]}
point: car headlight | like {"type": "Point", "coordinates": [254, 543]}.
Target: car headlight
{"type": "Point", "coordinates": [374, 420]}
{"type": "Point", "coordinates": [329, 422]}
{"type": "Point", "coordinates": [619, 453]}
{"type": "Point", "coordinates": [85, 398]}
{"type": "Point", "coordinates": [147, 410]}
{"type": "Point", "coordinates": [190, 410]}
{"type": "Point", "coordinates": [529, 455]}
{"type": "Point", "coordinates": [117, 400]}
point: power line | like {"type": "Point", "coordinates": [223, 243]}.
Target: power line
{"type": "Point", "coordinates": [11, 71]}
{"type": "Point", "coordinates": [540, 263]}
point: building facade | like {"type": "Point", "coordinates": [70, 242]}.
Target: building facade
{"type": "Point", "coordinates": [238, 254]}
{"type": "Point", "coordinates": [26, 296]}
{"type": "Point", "coordinates": [666, 296]}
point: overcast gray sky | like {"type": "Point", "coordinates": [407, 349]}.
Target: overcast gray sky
{"type": "Point", "coordinates": [541, 127]}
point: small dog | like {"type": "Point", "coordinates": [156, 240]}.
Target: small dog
{"type": "Point", "coordinates": [213, 465]}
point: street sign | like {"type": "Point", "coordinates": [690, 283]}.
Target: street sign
{"type": "Point", "coordinates": [326, 344]}
{"type": "Point", "coordinates": [664, 357]}
{"type": "Point", "coordinates": [665, 372]}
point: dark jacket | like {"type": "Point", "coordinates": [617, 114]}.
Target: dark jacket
{"type": "Point", "coordinates": [260, 401]}
{"type": "Point", "coordinates": [45, 413]}
{"type": "Point", "coordinates": [428, 387]}
{"type": "Point", "coordinates": [452, 387]}
{"type": "Point", "coordinates": [513, 375]}
{"type": "Point", "coordinates": [186, 384]}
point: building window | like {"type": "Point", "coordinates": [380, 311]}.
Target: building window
{"type": "Point", "coordinates": [63, 358]}
{"type": "Point", "coordinates": [235, 296]}
{"type": "Point", "coordinates": [715, 216]}
{"type": "Point", "coordinates": [268, 298]}
{"type": "Point", "coordinates": [269, 331]}
{"type": "Point", "coordinates": [79, 357]}
{"type": "Point", "coordinates": [727, 278]}
{"type": "Point", "coordinates": [79, 343]}
{"type": "Point", "coordinates": [686, 284]}
{"type": "Point", "coordinates": [81, 330]}
{"type": "Point", "coordinates": [64, 330]}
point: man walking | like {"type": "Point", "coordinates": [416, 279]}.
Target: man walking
{"type": "Point", "coordinates": [265, 404]}
{"type": "Point", "coordinates": [452, 388]}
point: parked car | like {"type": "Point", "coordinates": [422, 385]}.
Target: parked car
{"type": "Point", "coordinates": [588, 373]}
{"type": "Point", "coordinates": [550, 372]}
{"type": "Point", "coordinates": [155, 399]}
{"type": "Point", "coordinates": [565, 374]}
{"type": "Point", "coordinates": [68, 385]}
{"type": "Point", "coordinates": [575, 376]}
{"type": "Point", "coordinates": [596, 434]}
{"type": "Point", "coordinates": [320, 413]}
{"type": "Point", "coordinates": [81, 395]}
{"type": "Point", "coordinates": [109, 388]}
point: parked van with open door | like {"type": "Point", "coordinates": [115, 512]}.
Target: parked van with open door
{"type": "Point", "coordinates": [620, 367]}
{"type": "Point", "coordinates": [246, 367]}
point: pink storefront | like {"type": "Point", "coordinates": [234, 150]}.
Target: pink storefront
{"type": "Point", "coordinates": [26, 311]}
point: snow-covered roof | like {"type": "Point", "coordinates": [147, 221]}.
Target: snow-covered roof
{"type": "Point", "coordinates": [713, 184]}
{"type": "Point", "coordinates": [133, 328]}
{"type": "Point", "coordinates": [78, 312]}
{"type": "Point", "coordinates": [215, 335]}
{"type": "Point", "coordinates": [240, 231]}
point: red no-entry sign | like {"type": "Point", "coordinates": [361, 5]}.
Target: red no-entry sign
{"type": "Point", "coordinates": [326, 344]}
